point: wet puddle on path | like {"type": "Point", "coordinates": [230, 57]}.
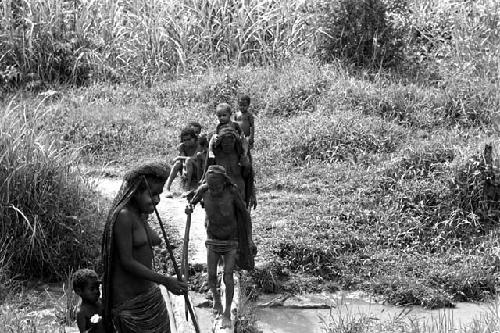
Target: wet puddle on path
{"type": "Point", "coordinates": [299, 315]}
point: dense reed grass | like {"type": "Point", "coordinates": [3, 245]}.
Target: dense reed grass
{"type": "Point", "coordinates": [83, 41]}
{"type": "Point", "coordinates": [49, 216]}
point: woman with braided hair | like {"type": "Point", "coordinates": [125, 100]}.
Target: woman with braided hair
{"type": "Point", "coordinates": [132, 299]}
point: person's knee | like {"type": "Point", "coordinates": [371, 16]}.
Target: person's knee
{"type": "Point", "coordinates": [212, 280]}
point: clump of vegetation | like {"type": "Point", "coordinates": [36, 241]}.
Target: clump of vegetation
{"type": "Point", "coordinates": [50, 220]}
{"type": "Point", "coordinates": [342, 139]}
{"type": "Point", "coordinates": [476, 192]}
{"type": "Point", "coordinates": [358, 31]}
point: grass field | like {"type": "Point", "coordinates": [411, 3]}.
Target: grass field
{"type": "Point", "coordinates": [374, 179]}
{"type": "Point", "coordinates": [349, 198]}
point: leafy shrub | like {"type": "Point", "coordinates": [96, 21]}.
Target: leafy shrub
{"type": "Point", "coordinates": [358, 31]}
{"type": "Point", "coordinates": [50, 215]}
{"type": "Point", "coordinates": [222, 92]}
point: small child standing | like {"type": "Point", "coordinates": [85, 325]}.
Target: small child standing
{"type": "Point", "coordinates": [246, 119]}
{"type": "Point", "coordinates": [89, 313]}
{"type": "Point", "coordinates": [223, 112]}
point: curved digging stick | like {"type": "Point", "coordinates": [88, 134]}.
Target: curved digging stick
{"type": "Point", "coordinates": [185, 249]}
{"type": "Point", "coordinates": [174, 263]}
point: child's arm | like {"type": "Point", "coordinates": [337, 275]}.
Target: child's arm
{"type": "Point", "coordinates": [81, 321]}
{"type": "Point", "coordinates": [198, 195]}
{"type": "Point", "coordinates": [252, 129]}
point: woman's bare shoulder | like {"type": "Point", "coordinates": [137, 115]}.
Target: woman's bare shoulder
{"type": "Point", "coordinates": [125, 218]}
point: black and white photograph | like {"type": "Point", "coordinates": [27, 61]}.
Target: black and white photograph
{"type": "Point", "coordinates": [249, 166]}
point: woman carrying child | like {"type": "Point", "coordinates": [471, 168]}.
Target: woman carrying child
{"type": "Point", "coordinates": [132, 299]}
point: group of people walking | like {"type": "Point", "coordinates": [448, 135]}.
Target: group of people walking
{"type": "Point", "coordinates": [217, 172]}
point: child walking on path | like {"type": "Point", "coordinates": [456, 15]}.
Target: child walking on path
{"type": "Point", "coordinates": [229, 233]}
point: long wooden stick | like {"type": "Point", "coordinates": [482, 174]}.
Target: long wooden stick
{"type": "Point", "coordinates": [174, 263]}
{"type": "Point", "coordinates": [178, 273]}
{"type": "Point", "coordinates": [185, 250]}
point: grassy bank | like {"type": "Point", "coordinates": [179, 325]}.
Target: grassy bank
{"type": "Point", "coordinates": [364, 184]}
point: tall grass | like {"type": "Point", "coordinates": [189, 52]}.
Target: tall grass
{"type": "Point", "coordinates": [82, 41]}
{"type": "Point", "coordinates": [49, 216]}
{"type": "Point", "coordinates": [70, 41]}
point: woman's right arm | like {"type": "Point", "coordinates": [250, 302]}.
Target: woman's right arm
{"type": "Point", "coordinates": [122, 233]}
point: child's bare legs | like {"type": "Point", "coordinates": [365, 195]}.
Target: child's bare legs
{"type": "Point", "coordinates": [229, 260]}
{"type": "Point", "coordinates": [189, 167]}
{"type": "Point", "coordinates": [173, 173]}
{"type": "Point", "coordinates": [212, 261]}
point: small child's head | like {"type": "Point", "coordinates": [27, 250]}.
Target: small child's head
{"type": "Point", "coordinates": [86, 285]}
{"type": "Point", "coordinates": [217, 179]}
{"type": "Point", "coordinates": [223, 112]}
{"type": "Point", "coordinates": [244, 103]}
{"type": "Point", "coordinates": [196, 126]}
{"type": "Point", "coordinates": [188, 136]}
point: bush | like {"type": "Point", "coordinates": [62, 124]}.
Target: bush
{"type": "Point", "coordinates": [358, 31]}
{"type": "Point", "coordinates": [50, 218]}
